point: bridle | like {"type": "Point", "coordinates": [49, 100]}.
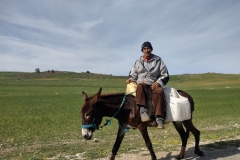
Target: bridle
{"type": "Point", "coordinates": [108, 121]}
{"type": "Point", "coordinates": [92, 125]}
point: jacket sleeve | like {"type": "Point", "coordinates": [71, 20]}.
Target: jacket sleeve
{"type": "Point", "coordinates": [164, 76]}
{"type": "Point", "coordinates": [133, 75]}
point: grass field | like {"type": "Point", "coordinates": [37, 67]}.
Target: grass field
{"type": "Point", "coordinates": [40, 114]}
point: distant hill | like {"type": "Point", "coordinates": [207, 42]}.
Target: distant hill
{"type": "Point", "coordinates": [183, 81]}
{"type": "Point", "coordinates": [55, 74]}
{"type": "Point", "coordinates": [215, 77]}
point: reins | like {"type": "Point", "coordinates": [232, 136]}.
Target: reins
{"type": "Point", "coordinates": [108, 121]}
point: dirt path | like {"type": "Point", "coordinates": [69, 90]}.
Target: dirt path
{"type": "Point", "coordinates": [220, 150]}
{"type": "Point", "coordinates": [229, 153]}
{"type": "Point", "coordinates": [221, 154]}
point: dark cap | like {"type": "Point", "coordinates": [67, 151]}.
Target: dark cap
{"type": "Point", "coordinates": [146, 44]}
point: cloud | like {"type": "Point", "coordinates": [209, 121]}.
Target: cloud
{"type": "Point", "coordinates": [105, 36]}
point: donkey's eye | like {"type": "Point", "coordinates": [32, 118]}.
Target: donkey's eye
{"type": "Point", "coordinates": [88, 114]}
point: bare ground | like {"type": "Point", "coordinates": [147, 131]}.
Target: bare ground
{"type": "Point", "coordinates": [230, 151]}
{"type": "Point", "coordinates": [220, 150]}
{"type": "Point", "coordinates": [221, 154]}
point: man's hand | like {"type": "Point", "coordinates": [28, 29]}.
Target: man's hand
{"type": "Point", "coordinates": [155, 85]}
{"type": "Point", "coordinates": [128, 81]}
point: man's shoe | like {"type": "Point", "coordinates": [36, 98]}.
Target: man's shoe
{"type": "Point", "coordinates": [144, 115]}
{"type": "Point", "coordinates": [159, 123]}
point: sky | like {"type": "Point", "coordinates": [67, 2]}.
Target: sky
{"type": "Point", "coordinates": [105, 36]}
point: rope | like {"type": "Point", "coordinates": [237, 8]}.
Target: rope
{"type": "Point", "coordinates": [108, 121]}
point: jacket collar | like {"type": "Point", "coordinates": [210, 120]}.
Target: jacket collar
{"type": "Point", "coordinates": [154, 57]}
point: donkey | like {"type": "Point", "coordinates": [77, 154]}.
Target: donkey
{"type": "Point", "coordinates": [123, 107]}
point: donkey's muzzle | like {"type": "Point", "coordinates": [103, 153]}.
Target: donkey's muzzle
{"type": "Point", "coordinates": [87, 134]}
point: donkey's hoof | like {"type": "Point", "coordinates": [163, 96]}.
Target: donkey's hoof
{"type": "Point", "coordinates": [154, 158]}
{"type": "Point", "coordinates": [179, 157]}
{"type": "Point", "coordinates": [112, 157]}
{"type": "Point", "coordinates": [199, 153]}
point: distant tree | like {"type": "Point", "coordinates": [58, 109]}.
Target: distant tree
{"type": "Point", "coordinates": [48, 71]}
{"type": "Point", "coordinates": [52, 71]}
{"type": "Point", "coordinates": [87, 72]}
{"type": "Point", "coordinates": [37, 70]}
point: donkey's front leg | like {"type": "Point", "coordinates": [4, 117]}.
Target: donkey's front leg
{"type": "Point", "coordinates": [118, 141]}
{"type": "Point", "coordinates": [143, 129]}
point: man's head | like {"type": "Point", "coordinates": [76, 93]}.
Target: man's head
{"type": "Point", "coordinates": [147, 49]}
{"type": "Point", "coordinates": [146, 44]}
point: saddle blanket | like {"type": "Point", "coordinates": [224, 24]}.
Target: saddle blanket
{"type": "Point", "coordinates": [177, 107]}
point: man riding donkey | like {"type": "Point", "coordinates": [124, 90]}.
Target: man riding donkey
{"type": "Point", "coordinates": [149, 72]}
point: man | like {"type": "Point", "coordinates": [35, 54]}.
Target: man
{"type": "Point", "coordinates": [150, 72]}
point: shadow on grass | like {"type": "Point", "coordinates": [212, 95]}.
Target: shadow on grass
{"type": "Point", "coordinates": [216, 150]}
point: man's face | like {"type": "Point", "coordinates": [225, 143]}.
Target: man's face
{"type": "Point", "coordinates": [147, 51]}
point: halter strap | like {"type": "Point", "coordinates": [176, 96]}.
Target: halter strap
{"type": "Point", "coordinates": [94, 126]}
{"type": "Point", "coordinates": [108, 121]}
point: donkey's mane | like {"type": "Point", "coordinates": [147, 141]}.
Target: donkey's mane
{"type": "Point", "coordinates": [111, 99]}
{"type": "Point", "coordinates": [111, 95]}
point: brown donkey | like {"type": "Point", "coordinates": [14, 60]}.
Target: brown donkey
{"type": "Point", "coordinates": [123, 108]}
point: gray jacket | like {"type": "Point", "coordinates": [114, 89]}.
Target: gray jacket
{"type": "Point", "coordinates": [157, 72]}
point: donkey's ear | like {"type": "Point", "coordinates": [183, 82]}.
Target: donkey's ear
{"type": "Point", "coordinates": [99, 92]}
{"type": "Point", "coordinates": [96, 96]}
{"type": "Point", "coordinates": [84, 95]}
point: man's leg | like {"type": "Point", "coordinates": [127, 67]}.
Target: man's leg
{"type": "Point", "coordinates": [158, 103]}
{"type": "Point", "coordinates": [141, 98]}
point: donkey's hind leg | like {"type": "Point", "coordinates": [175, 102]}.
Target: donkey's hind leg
{"type": "Point", "coordinates": [143, 129]}
{"type": "Point", "coordinates": [189, 126]}
{"type": "Point", "coordinates": [184, 137]}
{"type": "Point", "coordinates": [118, 141]}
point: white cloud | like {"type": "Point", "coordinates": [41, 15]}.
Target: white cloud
{"type": "Point", "coordinates": [105, 37]}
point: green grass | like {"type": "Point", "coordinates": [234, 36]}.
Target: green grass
{"type": "Point", "coordinates": [40, 114]}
